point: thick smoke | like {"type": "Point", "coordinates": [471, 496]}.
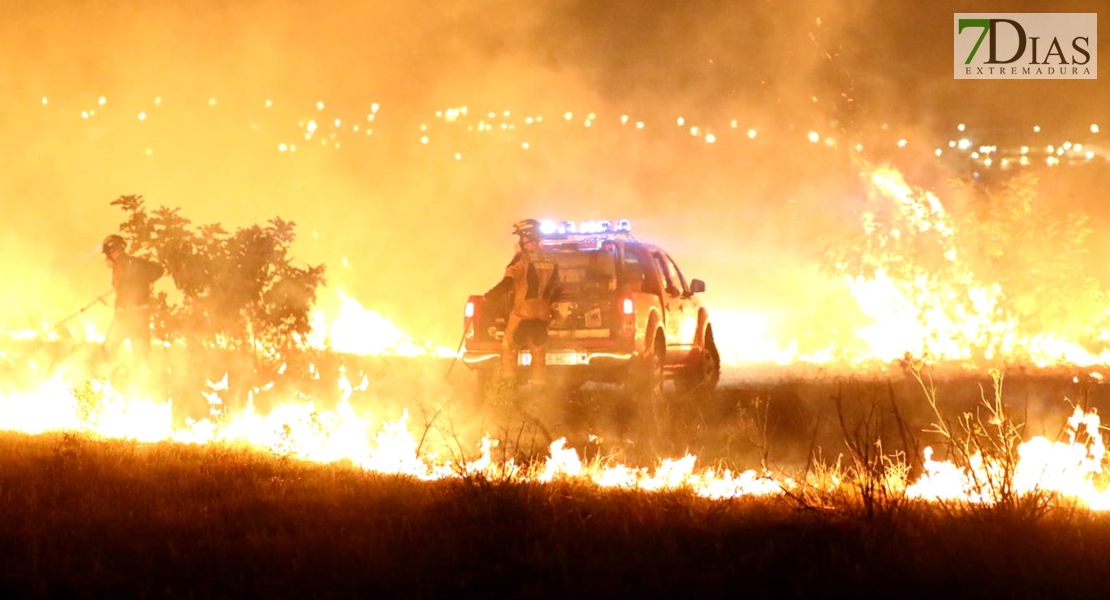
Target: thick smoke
{"type": "Point", "coordinates": [221, 84]}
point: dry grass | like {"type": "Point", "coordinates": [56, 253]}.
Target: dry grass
{"type": "Point", "coordinates": [87, 518]}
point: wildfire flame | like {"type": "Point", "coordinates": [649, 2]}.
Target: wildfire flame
{"type": "Point", "coordinates": [952, 317]}
{"type": "Point", "coordinates": [306, 432]}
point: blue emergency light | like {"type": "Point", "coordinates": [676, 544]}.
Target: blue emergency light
{"type": "Point", "coordinates": [594, 227]}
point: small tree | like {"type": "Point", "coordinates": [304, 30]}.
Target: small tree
{"type": "Point", "coordinates": [239, 290]}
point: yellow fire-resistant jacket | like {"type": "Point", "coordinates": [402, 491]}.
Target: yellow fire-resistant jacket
{"type": "Point", "coordinates": [534, 280]}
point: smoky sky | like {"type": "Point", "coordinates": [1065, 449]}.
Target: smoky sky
{"type": "Point", "coordinates": [423, 223]}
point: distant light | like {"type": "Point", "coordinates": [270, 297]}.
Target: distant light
{"type": "Point", "coordinates": [355, 128]}
{"type": "Point", "coordinates": [964, 144]}
{"type": "Point", "coordinates": [423, 139]}
{"type": "Point", "coordinates": [681, 121]}
{"type": "Point", "coordinates": [269, 103]}
{"type": "Point", "coordinates": [528, 121]}
{"type": "Point", "coordinates": [142, 116]}
{"type": "Point", "coordinates": [337, 122]}
{"type": "Point", "coordinates": [157, 101]}
{"type": "Point", "coordinates": [212, 101]}
{"type": "Point", "coordinates": [45, 101]}
{"type": "Point", "coordinates": [624, 119]}
{"type": "Point", "coordinates": [84, 114]}
{"type": "Point", "coordinates": [951, 143]}
{"type": "Point", "coordinates": [524, 145]}
{"type": "Point", "coordinates": [710, 138]}
{"type": "Point", "coordinates": [491, 114]}
{"type": "Point", "coordinates": [639, 124]}
{"type": "Point", "coordinates": [568, 115]}
{"type": "Point", "coordinates": [458, 156]}
{"type": "Point", "coordinates": [1094, 127]}
{"type": "Point", "coordinates": [938, 152]}
{"type": "Point", "coordinates": [733, 124]}
{"type": "Point", "coordinates": [1089, 154]}
{"type": "Point", "coordinates": [345, 262]}
{"type": "Point", "coordinates": [102, 101]}
{"type": "Point", "coordinates": [149, 151]}
{"type": "Point", "coordinates": [814, 137]}
{"type": "Point", "coordinates": [1025, 149]}
{"type": "Point", "coordinates": [423, 127]}
{"type": "Point", "coordinates": [902, 143]}
{"type": "Point", "coordinates": [374, 108]}
{"type": "Point", "coordinates": [310, 126]}
{"type": "Point", "coordinates": [1067, 145]}
{"type": "Point", "coordinates": [960, 127]}
{"type": "Point", "coordinates": [859, 147]}
{"type": "Point", "coordinates": [1036, 129]}
{"type": "Point", "coordinates": [695, 131]}
{"type": "Point", "coordinates": [588, 123]}
{"type": "Point", "coordinates": [282, 147]}
{"type": "Point", "coordinates": [751, 134]}
{"type": "Point", "coordinates": [320, 105]}
{"type": "Point", "coordinates": [370, 117]}
{"type": "Point", "coordinates": [506, 114]}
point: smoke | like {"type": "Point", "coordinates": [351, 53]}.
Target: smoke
{"type": "Point", "coordinates": [204, 103]}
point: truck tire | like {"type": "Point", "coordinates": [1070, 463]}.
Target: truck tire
{"type": "Point", "coordinates": [704, 373]}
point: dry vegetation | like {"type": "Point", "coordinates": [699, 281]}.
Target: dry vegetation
{"type": "Point", "coordinates": [108, 518]}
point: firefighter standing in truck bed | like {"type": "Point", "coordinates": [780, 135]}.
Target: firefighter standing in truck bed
{"type": "Point", "coordinates": [533, 278]}
{"type": "Point", "coordinates": [132, 278]}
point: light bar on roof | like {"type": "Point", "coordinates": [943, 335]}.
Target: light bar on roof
{"type": "Point", "coordinates": [570, 227]}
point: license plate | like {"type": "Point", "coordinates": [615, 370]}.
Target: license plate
{"type": "Point", "coordinates": [562, 358]}
{"type": "Point", "coordinates": [553, 358]}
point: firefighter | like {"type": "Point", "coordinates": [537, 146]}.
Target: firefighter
{"type": "Point", "coordinates": [533, 279]}
{"type": "Point", "coordinates": [132, 278]}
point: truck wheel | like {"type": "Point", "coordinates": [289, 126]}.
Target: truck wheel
{"type": "Point", "coordinates": [701, 377]}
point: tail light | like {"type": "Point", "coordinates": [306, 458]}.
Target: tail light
{"type": "Point", "coordinates": [628, 316]}
{"type": "Point", "coordinates": [468, 319]}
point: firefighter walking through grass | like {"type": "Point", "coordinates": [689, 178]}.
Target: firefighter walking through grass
{"type": "Point", "coordinates": [132, 278]}
{"type": "Point", "coordinates": [533, 279]}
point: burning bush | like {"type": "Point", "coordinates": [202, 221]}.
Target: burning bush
{"type": "Point", "coordinates": [1001, 275]}
{"type": "Point", "coordinates": [239, 290]}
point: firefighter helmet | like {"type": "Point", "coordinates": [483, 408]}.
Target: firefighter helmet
{"type": "Point", "coordinates": [528, 228]}
{"type": "Point", "coordinates": [113, 242]}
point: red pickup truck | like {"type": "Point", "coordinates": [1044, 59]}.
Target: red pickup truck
{"type": "Point", "coordinates": [625, 314]}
